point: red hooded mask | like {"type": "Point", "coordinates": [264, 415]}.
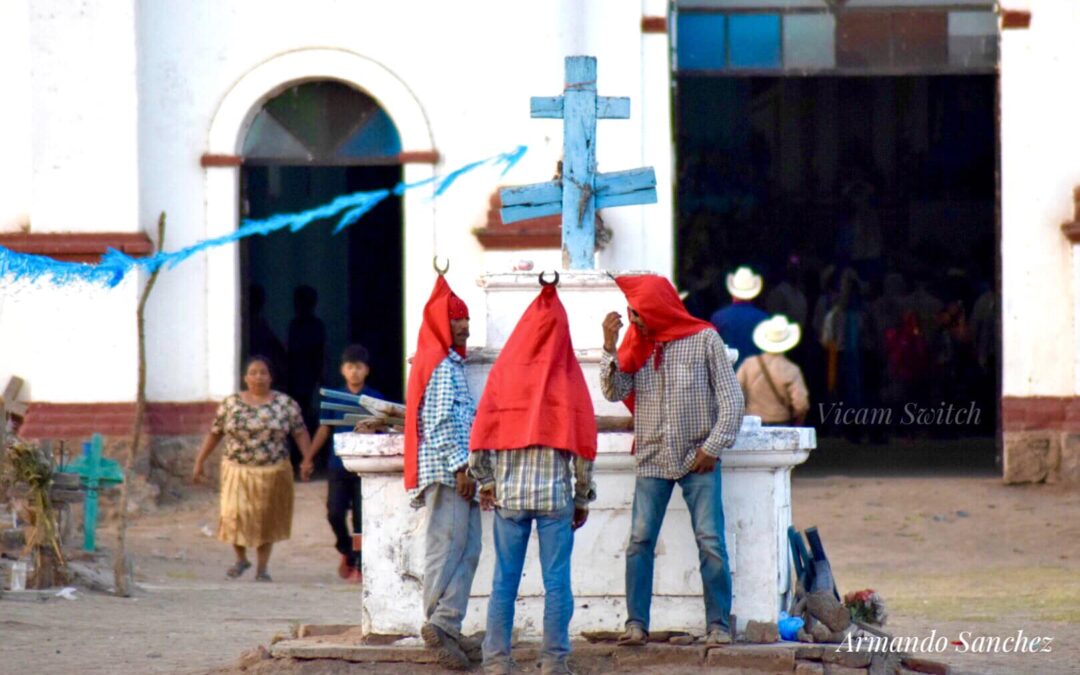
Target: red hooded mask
{"type": "Point", "coordinates": [536, 393]}
{"type": "Point", "coordinates": [659, 306]}
{"type": "Point", "coordinates": [432, 347]}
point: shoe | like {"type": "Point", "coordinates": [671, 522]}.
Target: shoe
{"type": "Point", "coordinates": [448, 652]}
{"type": "Point", "coordinates": [236, 570]}
{"type": "Point", "coordinates": [717, 636]}
{"type": "Point", "coordinates": [635, 636]}
{"type": "Point", "coordinates": [344, 567]}
{"type": "Point", "coordinates": [263, 576]}
{"type": "Point", "coordinates": [555, 668]}
{"type": "Point", "coordinates": [473, 646]}
{"type": "Point", "coordinates": [355, 576]}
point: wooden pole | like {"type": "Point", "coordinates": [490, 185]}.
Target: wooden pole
{"type": "Point", "coordinates": [122, 570]}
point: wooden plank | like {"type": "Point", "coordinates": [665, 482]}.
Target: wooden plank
{"type": "Point", "coordinates": [546, 106]}
{"type": "Point", "coordinates": [625, 181]}
{"type": "Point", "coordinates": [11, 391]}
{"type": "Point", "coordinates": [579, 163]}
{"type": "Point", "coordinates": [532, 195]}
{"type": "Point", "coordinates": [613, 107]}
{"type": "Point", "coordinates": [340, 395]}
{"type": "Point", "coordinates": [340, 407]}
{"type": "Point", "coordinates": [515, 214]}
{"type": "Point", "coordinates": [627, 199]}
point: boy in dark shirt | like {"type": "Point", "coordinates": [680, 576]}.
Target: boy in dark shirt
{"type": "Point", "coordinates": [343, 486]}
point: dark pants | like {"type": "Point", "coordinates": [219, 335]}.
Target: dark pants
{"type": "Point", "coordinates": [343, 495]}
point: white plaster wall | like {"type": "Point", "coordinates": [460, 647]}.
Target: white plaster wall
{"type": "Point", "coordinates": [15, 116]}
{"type": "Point", "coordinates": [73, 344]}
{"type": "Point", "coordinates": [85, 156]}
{"type": "Point", "coordinates": [125, 94]}
{"type": "Point", "coordinates": [1040, 157]}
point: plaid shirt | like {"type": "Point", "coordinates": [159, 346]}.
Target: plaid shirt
{"type": "Point", "coordinates": [536, 478]}
{"type": "Point", "coordinates": [446, 417]}
{"type": "Point", "coordinates": [693, 401]}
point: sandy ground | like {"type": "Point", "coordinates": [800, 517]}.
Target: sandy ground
{"type": "Point", "coordinates": [948, 554]}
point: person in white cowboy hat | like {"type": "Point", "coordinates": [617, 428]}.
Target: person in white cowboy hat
{"type": "Point", "coordinates": [773, 386]}
{"type": "Point", "coordinates": [736, 322]}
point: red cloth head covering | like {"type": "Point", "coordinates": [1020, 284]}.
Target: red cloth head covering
{"type": "Point", "coordinates": [432, 347]}
{"type": "Point", "coordinates": [458, 309]}
{"type": "Point", "coordinates": [657, 302]}
{"type": "Point", "coordinates": [536, 393]}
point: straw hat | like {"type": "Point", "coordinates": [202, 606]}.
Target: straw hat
{"type": "Point", "coordinates": [743, 284]}
{"type": "Point", "coordinates": [776, 335]}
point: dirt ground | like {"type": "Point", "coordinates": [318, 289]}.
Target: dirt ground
{"type": "Point", "coordinates": [949, 554]}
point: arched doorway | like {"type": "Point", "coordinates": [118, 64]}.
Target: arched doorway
{"type": "Point", "coordinates": [310, 293]}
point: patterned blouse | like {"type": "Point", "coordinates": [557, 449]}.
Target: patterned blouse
{"type": "Point", "coordinates": [255, 435]}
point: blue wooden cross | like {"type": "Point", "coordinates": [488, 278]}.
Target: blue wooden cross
{"type": "Point", "coordinates": [580, 191]}
{"type": "Point", "coordinates": [96, 472]}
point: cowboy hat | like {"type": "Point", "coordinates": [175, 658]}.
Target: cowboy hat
{"type": "Point", "coordinates": [776, 335]}
{"type": "Point", "coordinates": [743, 284]}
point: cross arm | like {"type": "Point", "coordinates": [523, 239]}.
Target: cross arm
{"type": "Point", "coordinates": [530, 201]}
{"type": "Point", "coordinates": [624, 188]}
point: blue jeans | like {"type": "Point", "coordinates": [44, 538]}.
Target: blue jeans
{"type": "Point", "coordinates": [512, 529]}
{"type": "Point", "coordinates": [703, 498]}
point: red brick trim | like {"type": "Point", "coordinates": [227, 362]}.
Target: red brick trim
{"type": "Point", "coordinates": [1015, 18]}
{"type": "Point", "coordinates": [543, 232]}
{"type": "Point", "coordinates": [418, 157]}
{"type": "Point", "coordinates": [209, 160]}
{"type": "Point", "coordinates": [68, 420]}
{"type": "Point", "coordinates": [78, 246]}
{"type": "Point", "coordinates": [1040, 413]}
{"type": "Point", "coordinates": [654, 24]}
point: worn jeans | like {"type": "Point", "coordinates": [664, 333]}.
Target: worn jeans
{"type": "Point", "coordinates": [512, 530]}
{"type": "Point", "coordinates": [453, 551]}
{"type": "Point", "coordinates": [343, 497]}
{"type": "Point", "coordinates": [703, 498]}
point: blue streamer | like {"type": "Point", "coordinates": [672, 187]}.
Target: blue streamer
{"type": "Point", "coordinates": [115, 265]}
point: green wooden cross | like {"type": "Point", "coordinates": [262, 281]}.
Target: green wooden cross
{"type": "Point", "coordinates": [96, 472]}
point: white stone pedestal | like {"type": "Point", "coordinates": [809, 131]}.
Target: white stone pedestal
{"type": "Point", "coordinates": [756, 484]}
{"type": "Point", "coordinates": [757, 509]}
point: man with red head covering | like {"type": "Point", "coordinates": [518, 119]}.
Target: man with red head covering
{"type": "Point", "coordinates": [533, 446]}
{"type": "Point", "coordinates": [673, 370]}
{"type": "Point", "coordinates": [438, 417]}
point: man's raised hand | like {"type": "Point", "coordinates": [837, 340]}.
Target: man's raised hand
{"type": "Point", "coordinates": [612, 325]}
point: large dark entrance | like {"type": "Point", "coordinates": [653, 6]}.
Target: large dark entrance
{"type": "Point", "coordinates": [878, 188]}
{"type": "Point", "coordinates": [311, 293]}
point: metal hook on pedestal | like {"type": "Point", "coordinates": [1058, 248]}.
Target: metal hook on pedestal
{"type": "Point", "coordinates": [435, 264]}
{"type": "Point", "coordinates": [549, 283]}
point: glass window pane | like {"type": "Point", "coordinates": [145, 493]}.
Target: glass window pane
{"type": "Point", "coordinates": [700, 41]}
{"type": "Point", "coordinates": [755, 40]}
{"type": "Point", "coordinates": [377, 137]}
{"type": "Point", "coordinates": [973, 39]}
{"type": "Point", "coordinates": [809, 41]}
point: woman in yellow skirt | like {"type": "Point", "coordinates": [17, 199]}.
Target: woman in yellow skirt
{"type": "Point", "coordinates": [256, 475]}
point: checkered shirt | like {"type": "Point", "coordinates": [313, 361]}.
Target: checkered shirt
{"type": "Point", "coordinates": [446, 417]}
{"type": "Point", "coordinates": [693, 401]}
{"type": "Point", "coordinates": [536, 478]}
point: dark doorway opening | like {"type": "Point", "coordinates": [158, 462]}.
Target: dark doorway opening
{"type": "Point", "coordinates": [892, 178]}
{"type": "Point", "coordinates": [356, 276]}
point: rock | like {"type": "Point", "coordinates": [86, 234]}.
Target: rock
{"type": "Point", "coordinates": [252, 657]}
{"type": "Point", "coordinates": [761, 632]}
{"type": "Point", "coordinates": [279, 637]}
{"type": "Point", "coordinates": [1030, 456]}
{"type": "Point", "coordinates": [1069, 464]}
{"type": "Point", "coordinates": [834, 669]}
{"type": "Point", "coordinates": [824, 607]}
{"type": "Point", "coordinates": [884, 664]}
{"type": "Point", "coordinates": [821, 633]}
{"type": "Point", "coordinates": [809, 653]}
{"type": "Point", "coordinates": [809, 669]}
{"type": "Point", "coordinates": [843, 657]}
{"type": "Point", "coordinates": [682, 640]}
{"type": "Point", "coordinates": [769, 659]}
